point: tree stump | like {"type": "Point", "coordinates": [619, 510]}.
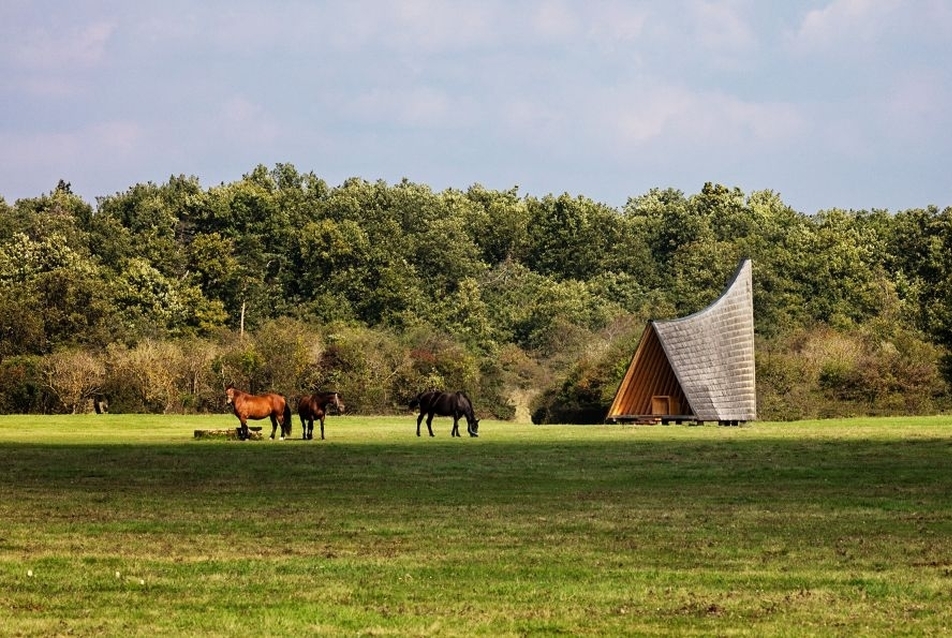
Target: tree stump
{"type": "Point", "coordinates": [254, 434]}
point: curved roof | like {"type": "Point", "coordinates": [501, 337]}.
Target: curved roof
{"type": "Point", "coordinates": [710, 354]}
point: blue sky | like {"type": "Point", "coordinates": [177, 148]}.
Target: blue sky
{"type": "Point", "coordinates": [830, 103]}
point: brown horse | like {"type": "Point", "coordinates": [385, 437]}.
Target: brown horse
{"type": "Point", "coordinates": [259, 406]}
{"type": "Point", "coordinates": [314, 406]}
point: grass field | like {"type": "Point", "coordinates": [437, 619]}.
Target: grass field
{"type": "Point", "coordinates": [125, 525]}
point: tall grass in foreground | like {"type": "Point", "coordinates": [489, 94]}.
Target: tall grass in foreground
{"type": "Point", "coordinates": [126, 525]}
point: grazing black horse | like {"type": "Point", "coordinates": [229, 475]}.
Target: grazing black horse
{"type": "Point", "coordinates": [454, 404]}
{"type": "Point", "coordinates": [314, 406]}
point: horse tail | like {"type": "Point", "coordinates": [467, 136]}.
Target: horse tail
{"type": "Point", "coordinates": [287, 416]}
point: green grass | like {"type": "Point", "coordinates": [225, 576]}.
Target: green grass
{"type": "Point", "coordinates": [126, 525]}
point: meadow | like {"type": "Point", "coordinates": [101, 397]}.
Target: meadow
{"type": "Point", "coordinates": [126, 525]}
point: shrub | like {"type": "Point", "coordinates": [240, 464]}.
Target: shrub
{"type": "Point", "coordinates": [21, 388]}
{"type": "Point", "coordinates": [73, 377]}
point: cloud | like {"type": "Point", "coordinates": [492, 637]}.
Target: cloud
{"type": "Point", "coordinates": [653, 116]}
{"type": "Point", "coordinates": [245, 122]}
{"type": "Point", "coordinates": [705, 121]}
{"type": "Point", "coordinates": [533, 123]}
{"type": "Point", "coordinates": [568, 91]}
{"type": "Point", "coordinates": [721, 27]}
{"type": "Point", "coordinates": [670, 122]}
{"type": "Point", "coordinates": [842, 21]}
{"type": "Point", "coordinates": [415, 107]}
{"type": "Point", "coordinates": [420, 27]}
{"type": "Point", "coordinates": [436, 25]}
{"type": "Point", "coordinates": [917, 108]}
{"type": "Point", "coordinates": [555, 21]}
{"type": "Point", "coordinates": [617, 22]}
{"type": "Point", "coordinates": [89, 157]}
{"type": "Point", "coordinates": [120, 138]}
{"type": "Point", "coordinates": [59, 49]}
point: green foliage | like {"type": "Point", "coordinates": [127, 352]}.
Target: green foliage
{"type": "Point", "coordinates": [21, 385]}
{"type": "Point", "coordinates": [498, 223]}
{"type": "Point", "coordinates": [51, 295]}
{"type": "Point", "coordinates": [570, 238]}
{"type": "Point", "coordinates": [825, 373]}
{"type": "Point", "coordinates": [360, 269]}
{"type": "Point", "coordinates": [590, 384]}
{"type": "Point", "coordinates": [919, 258]}
{"type": "Point", "coordinates": [289, 350]}
{"type": "Point", "coordinates": [362, 365]}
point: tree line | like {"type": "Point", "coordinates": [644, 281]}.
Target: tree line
{"type": "Point", "coordinates": [157, 296]}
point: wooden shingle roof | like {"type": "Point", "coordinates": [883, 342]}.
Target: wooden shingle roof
{"type": "Point", "coordinates": [697, 367]}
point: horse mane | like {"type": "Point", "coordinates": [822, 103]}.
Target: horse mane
{"type": "Point", "coordinates": [326, 398]}
{"type": "Point", "coordinates": [469, 404]}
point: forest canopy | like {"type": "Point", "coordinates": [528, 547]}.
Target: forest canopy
{"type": "Point", "coordinates": [157, 296]}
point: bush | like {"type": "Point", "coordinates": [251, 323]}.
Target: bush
{"type": "Point", "coordinates": [74, 377]}
{"type": "Point", "coordinates": [362, 365]}
{"type": "Point", "coordinates": [826, 373]}
{"type": "Point", "coordinates": [21, 388]}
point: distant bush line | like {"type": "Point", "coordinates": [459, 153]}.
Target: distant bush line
{"type": "Point", "coordinates": [158, 296]}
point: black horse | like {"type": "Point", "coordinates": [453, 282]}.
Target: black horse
{"type": "Point", "coordinates": [314, 406]}
{"type": "Point", "coordinates": [454, 404]}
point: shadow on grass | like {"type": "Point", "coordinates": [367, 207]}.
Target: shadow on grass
{"type": "Point", "coordinates": [768, 471]}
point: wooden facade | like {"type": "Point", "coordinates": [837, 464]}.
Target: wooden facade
{"type": "Point", "coordinates": [650, 389]}
{"type": "Point", "coordinates": [698, 368]}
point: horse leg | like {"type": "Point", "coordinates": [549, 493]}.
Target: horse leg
{"type": "Point", "coordinates": [243, 430]}
{"type": "Point", "coordinates": [455, 431]}
{"type": "Point", "coordinates": [274, 426]}
{"type": "Point", "coordinates": [322, 427]}
{"type": "Point", "coordinates": [419, 420]}
{"type": "Point", "coordinates": [429, 423]}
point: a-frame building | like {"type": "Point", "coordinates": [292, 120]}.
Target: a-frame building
{"type": "Point", "coordinates": [697, 368]}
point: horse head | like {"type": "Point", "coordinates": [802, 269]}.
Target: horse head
{"type": "Point", "coordinates": [337, 403]}
{"type": "Point", "coordinates": [230, 393]}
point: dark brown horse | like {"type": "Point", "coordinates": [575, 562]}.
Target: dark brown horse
{"type": "Point", "coordinates": [454, 404]}
{"type": "Point", "coordinates": [314, 406]}
{"type": "Point", "coordinates": [260, 406]}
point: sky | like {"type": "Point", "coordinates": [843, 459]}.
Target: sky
{"type": "Point", "coordinates": [829, 103]}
